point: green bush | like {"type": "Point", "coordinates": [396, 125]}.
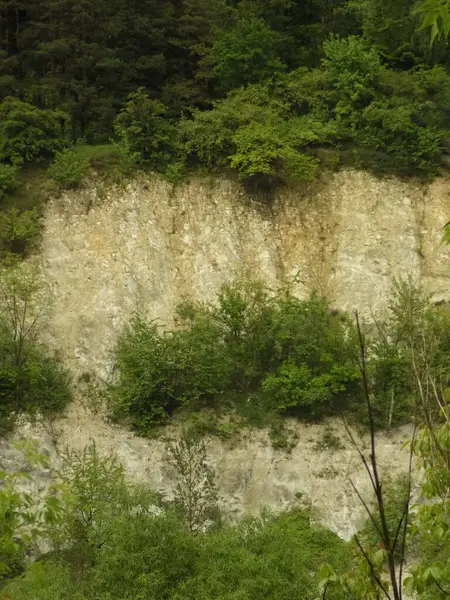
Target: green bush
{"type": "Point", "coordinates": [290, 356]}
{"type": "Point", "coordinates": [18, 232]}
{"type": "Point", "coordinates": [269, 356]}
{"type": "Point", "coordinates": [247, 54]}
{"type": "Point", "coordinates": [398, 119]}
{"type": "Point", "coordinates": [8, 178]}
{"type": "Point", "coordinates": [28, 133]}
{"type": "Point", "coordinates": [254, 132]}
{"type": "Point", "coordinates": [153, 557]}
{"type": "Point", "coordinates": [295, 388]}
{"type": "Point", "coordinates": [390, 373]}
{"type": "Point", "coordinates": [31, 379]}
{"type": "Point", "coordinates": [414, 341]}
{"type": "Point", "coordinates": [393, 121]}
{"type": "Point", "coordinates": [24, 517]}
{"type": "Point", "coordinates": [265, 556]}
{"type": "Point", "coordinates": [68, 168]}
{"type": "Point", "coordinates": [244, 314]}
{"type": "Point", "coordinates": [144, 129]}
{"type": "Point", "coordinates": [33, 383]}
{"type": "Point", "coordinates": [271, 150]}
{"type": "Point", "coordinates": [163, 372]}
{"type": "Point", "coordinates": [396, 495]}
{"type": "Point", "coordinates": [353, 69]}
{"type": "Point", "coordinates": [316, 357]}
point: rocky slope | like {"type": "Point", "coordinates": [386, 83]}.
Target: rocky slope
{"type": "Point", "coordinates": [250, 473]}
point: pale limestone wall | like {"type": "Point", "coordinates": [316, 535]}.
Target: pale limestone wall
{"type": "Point", "coordinates": [148, 246]}
{"type": "Point", "coordinates": [107, 254]}
{"type": "Point", "coordinates": [251, 474]}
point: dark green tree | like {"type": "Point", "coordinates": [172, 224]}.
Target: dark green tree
{"type": "Point", "coordinates": [28, 133]}
{"type": "Point", "coordinates": [247, 54]}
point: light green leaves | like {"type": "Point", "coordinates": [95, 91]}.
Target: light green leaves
{"type": "Point", "coordinates": [436, 17]}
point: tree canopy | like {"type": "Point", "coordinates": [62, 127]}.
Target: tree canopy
{"type": "Point", "coordinates": [258, 87]}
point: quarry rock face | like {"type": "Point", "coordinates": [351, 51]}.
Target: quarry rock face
{"type": "Point", "coordinates": [148, 246]}
{"type": "Point", "coordinates": [250, 473]}
{"type": "Point", "coordinates": [109, 252]}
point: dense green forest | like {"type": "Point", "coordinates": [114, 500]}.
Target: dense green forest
{"type": "Point", "coordinates": [271, 89]}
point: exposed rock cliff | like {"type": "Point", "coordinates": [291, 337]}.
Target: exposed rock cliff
{"type": "Point", "coordinates": [107, 253]}
{"type": "Point", "coordinates": [144, 248]}
{"type": "Point", "coordinates": [251, 474]}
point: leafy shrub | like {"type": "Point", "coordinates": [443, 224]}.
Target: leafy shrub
{"type": "Point", "coordinates": [353, 68]}
{"type": "Point", "coordinates": [160, 373]}
{"type": "Point", "coordinates": [244, 315]}
{"type": "Point", "coordinates": [8, 178]}
{"type": "Point", "coordinates": [392, 127]}
{"type": "Point", "coordinates": [33, 383]}
{"type": "Point", "coordinates": [97, 492]}
{"type": "Point", "coordinates": [390, 372]}
{"type": "Point", "coordinates": [290, 355]}
{"type": "Point", "coordinates": [399, 117]}
{"type": "Point", "coordinates": [262, 557]}
{"type": "Point", "coordinates": [254, 132]}
{"type": "Point", "coordinates": [295, 388]}
{"type": "Point", "coordinates": [31, 379]}
{"type": "Point", "coordinates": [46, 580]}
{"type": "Point", "coordinates": [195, 492]}
{"type": "Point", "coordinates": [270, 150]}
{"type": "Point", "coordinates": [28, 133]}
{"type": "Point", "coordinates": [394, 121]}
{"type": "Point", "coordinates": [414, 339]}
{"type": "Point", "coordinates": [18, 232]}
{"type": "Point", "coordinates": [315, 351]}
{"type": "Point", "coordinates": [276, 356]}
{"type": "Point", "coordinates": [68, 169]}
{"type": "Point", "coordinates": [128, 159]}
{"type": "Point", "coordinates": [24, 518]}
{"type": "Point", "coordinates": [395, 500]}
{"type": "Point", "coordinates": [266, 556]}
{"type": "Point", "coordinates": [208, 136]}
{"type": "Point", "coordinates": [144, 129]}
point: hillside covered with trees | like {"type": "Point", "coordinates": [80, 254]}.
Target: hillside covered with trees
{"type": "Point", "coordinates": [271, 89]}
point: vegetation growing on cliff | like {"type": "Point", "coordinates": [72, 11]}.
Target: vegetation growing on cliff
{"type": "Point", "coordinates": [32, 380]}
{"type": "Point", "coordinates": [112, 539]}
{"type": "Point", "coordinates": [272, 355]}
{"type": "Point", "coordinates": [268, 356]}
{"type": "Point", "coordinates": [259, 87]}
